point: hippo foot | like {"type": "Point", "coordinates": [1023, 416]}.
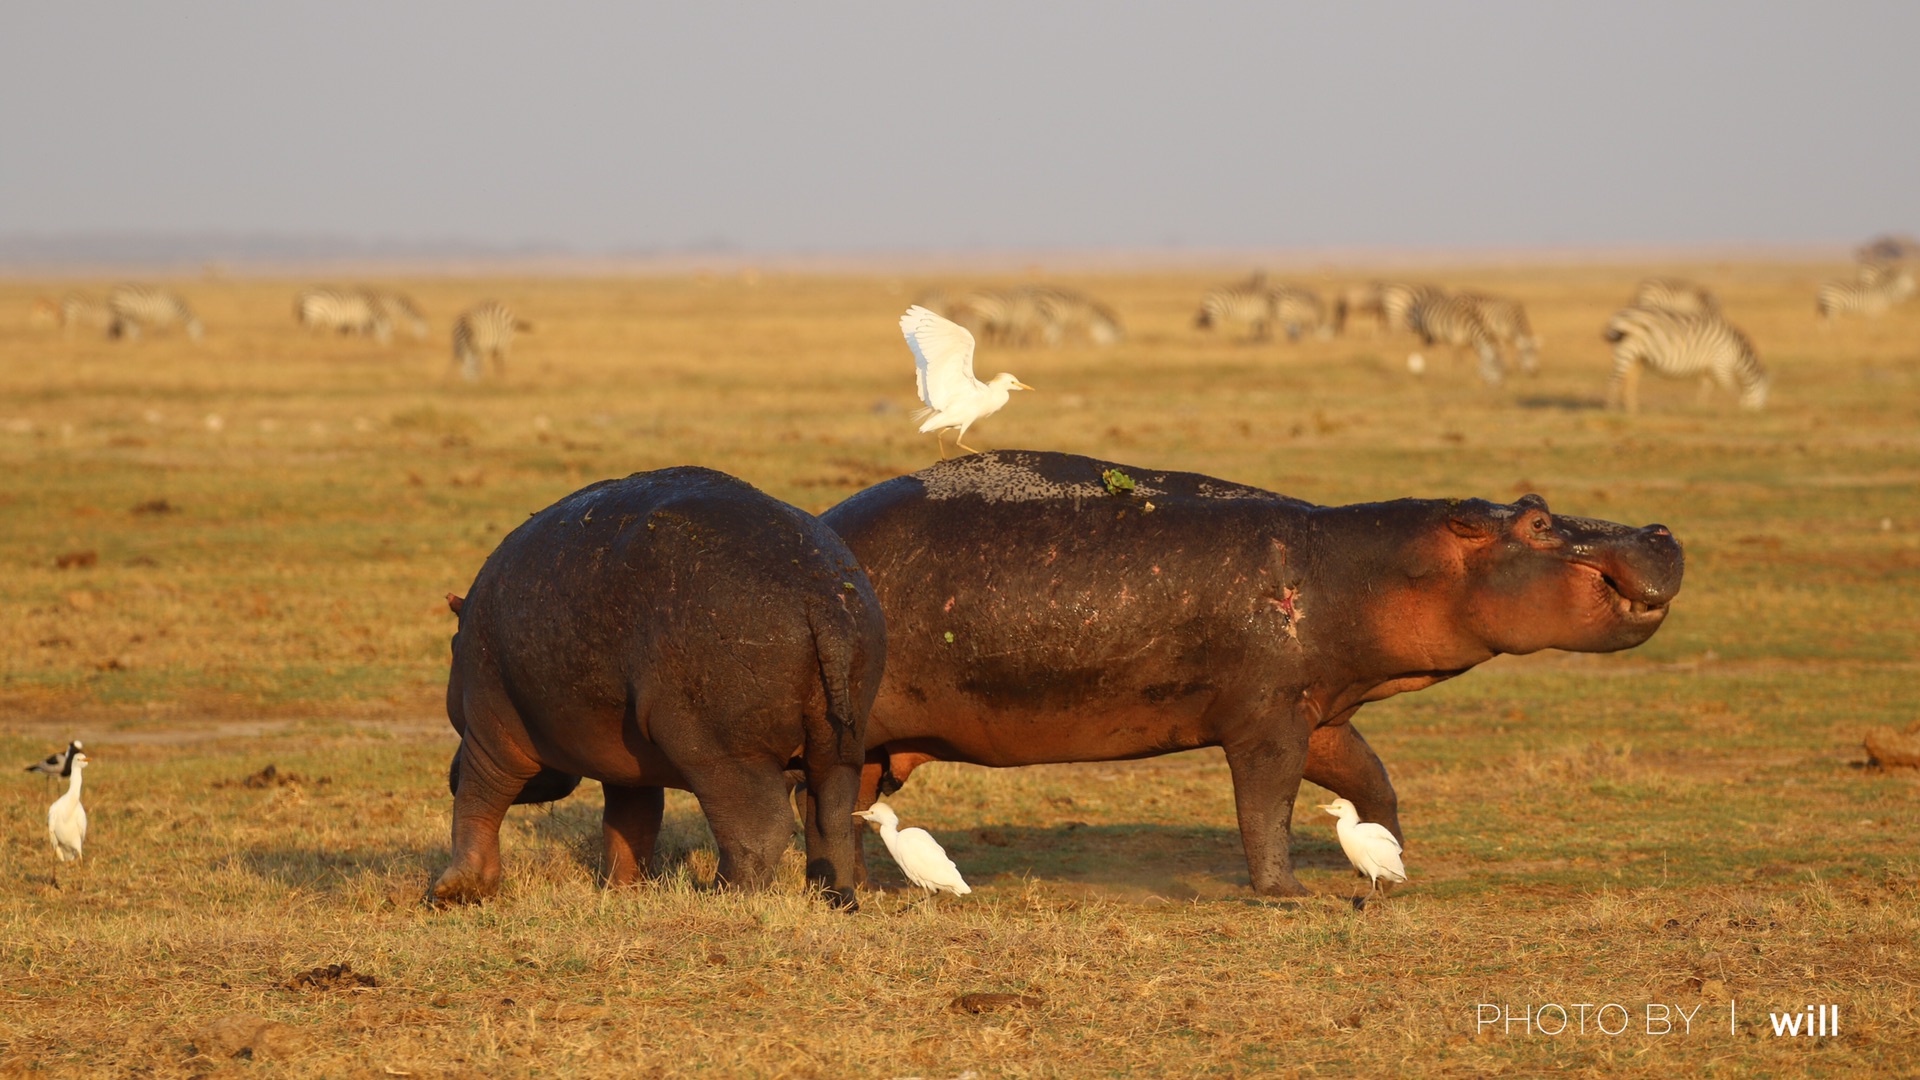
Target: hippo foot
{"type": "Point", "coordinates": [454, 886]}
{"type": "Point", "coordinates": [841, 899]}
{"type": "Point", "coordinates": [1287, 887]}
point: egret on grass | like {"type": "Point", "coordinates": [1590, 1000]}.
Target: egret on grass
{"type": "Point", "coordinates": [916, 851]}
{"type": "Point", "coordinates": [1369, 846]}
{"type": "Point", "coordinates": [67, 819]}
{"type": "Point", "coordinates": [943, 361]}
{"type": "Point", "coordinates": [55, 764]}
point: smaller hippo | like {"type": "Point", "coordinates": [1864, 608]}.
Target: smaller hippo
{"type": "Point", "coordinates": [673, 629]}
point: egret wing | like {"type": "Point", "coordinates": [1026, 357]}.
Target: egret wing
{"type": "Point", "coordinates": [926, 862]}
{"type": "Point", "coordinates": [1374, 833]}
{"type": "Point", "coordinates": [942, 356]}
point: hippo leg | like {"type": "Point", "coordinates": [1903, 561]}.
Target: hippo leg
{"type": "Point", "coordinates": [1340, 760]}
{"type": "Point", "coordinates": [631, 825]}
{"type": "Point", "coordinates": [1266, 777]}
{"type": "Point", "coordinates": [832, 789]}
{"type": "Point", "coordinates": [751, 814]}
{"type": "Point", "coordinates": [489, 780]}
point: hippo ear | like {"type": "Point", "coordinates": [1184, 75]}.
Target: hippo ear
{"type": "Point", "coordinates": [1469, 528]}
{"type": "Point", "coordinates": [455, 603]}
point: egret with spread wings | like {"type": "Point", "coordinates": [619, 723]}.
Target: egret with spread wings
{"type": "Point", "coordinates": [943, 359]}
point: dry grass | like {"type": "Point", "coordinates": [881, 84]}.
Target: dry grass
{"type": "Point", "coordinates": [1685, 824]}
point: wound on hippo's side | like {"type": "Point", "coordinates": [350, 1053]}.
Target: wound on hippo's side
{"type": "Point", "coordinates": [1292, 611]}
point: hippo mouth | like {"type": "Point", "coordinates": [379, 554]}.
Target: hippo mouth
{"type": "Point", "coordinates": [1630, 600]}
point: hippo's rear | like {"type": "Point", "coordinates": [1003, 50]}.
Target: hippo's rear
{"type": "Point", "coordinates": [673, 629]}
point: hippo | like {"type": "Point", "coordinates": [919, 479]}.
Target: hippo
{"type": "Point", "coordinates": [677, 629]}
{"type": "Point", "coordinates": [1047, 607]}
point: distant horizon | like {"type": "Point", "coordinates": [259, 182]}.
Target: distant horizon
{"type": "Point", "coordinates": [265, 254]}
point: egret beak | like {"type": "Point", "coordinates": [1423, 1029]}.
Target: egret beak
{"type": "Point", "coordinates": [1018, 385]}
{"type": "Point", "coordinates": [1328, 808]}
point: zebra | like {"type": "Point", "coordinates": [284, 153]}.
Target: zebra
{"type": "Point", "coordinates": [342, 312]}
{"type": "Point", "coordinates": [1397, 301]}
{"type": "Point", "coordinates": [135, 308]}
{"type": "Point", "coordinates": [1675, 295]}
{"type": "Point", "coordinates": [1029, 314]}
{"type": "Point", "coordinates": [1065, 312]}
{"type": "Point", "coordinates": [1249, 303]}
{"type": "Point", "coordinates": [1260, 307]}
{"type": "Point", "coordinates": [485, 329]}
{"type": "Point", "coordinates": [1892, 247]}
{"type": "Point", "coordinates": [399, 310]}
{"type": "Point", "coordinates": [1357, 300]}
{"type": "Point", "coordinates": [1507, 321]}
{"type": "Point", "coordinates": [1878, 287]}
{"type": "Point", "coordinates": [1442, 319]}
{"type": "Point", "coordinates": [78, 310]}
{"type": "Point", "coordinates": [1677, 347]}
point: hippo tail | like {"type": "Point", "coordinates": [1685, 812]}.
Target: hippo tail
{"type": "Point", "coordinates": [837, 644]}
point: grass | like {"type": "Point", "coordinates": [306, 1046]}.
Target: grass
{"type": "Point", "coordinates": [1686, 824]}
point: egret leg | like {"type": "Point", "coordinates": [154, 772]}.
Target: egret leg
{"type": "Point", "coordinates": [941, 436]}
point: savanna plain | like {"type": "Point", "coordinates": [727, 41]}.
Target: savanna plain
{"type": "Point", "coordinates": [233, 554]}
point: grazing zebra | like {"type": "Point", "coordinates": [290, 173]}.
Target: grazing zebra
{"type": "Point", "coordinates": [1358, 300]}
{"type": "Point", "coordinates": [1679, 347]}
{"type": "Point", "coordinates": [79, 309]}
{"type": "Point", "coordinates": [341, 311]}
{"type": "Point", "coordinates": [1672, 294]}
{"type": "Point", "coordinates": [399, 310]}
{"type": "Point", "coordinates": [1260, 307]}
{"type": "Point", "coordinates": [136, 308]}
{"type": "Point", "coordinates": [485, 329]}
{"type": "Point", "coordinates": [1248, 303]}
{"type": "Point", "coordinates": [1441, 319]}
{"type": "Point", "coordinates": [1507, 321]}
{"type": "Point", "coordinates": [1064, 312]}
{"type": "Point", "coordinates": [1879, 287]}
{"type": "Point", "coordinates": [1397, 301]}
{"type": "Point", "coordinates": [1028, 315]}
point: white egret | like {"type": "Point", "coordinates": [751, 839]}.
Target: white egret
{"type": "Point", "coordinates": [943, 361]}
{"type": "Point", "coordinates": [917, 852]}
{"type": "Point", "coordinates": [67, 819]}
{"type": "Point", "coordinates": [1369, 846]}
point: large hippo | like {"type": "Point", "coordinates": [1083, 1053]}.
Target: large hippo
{"type": "Point", "coordinates": [672, 629]}
{"type": "Point", "coordinates": [1047, 607]}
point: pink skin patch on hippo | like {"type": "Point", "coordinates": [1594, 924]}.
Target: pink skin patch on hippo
{"type": "Point", "coordinates": [1292, 612]}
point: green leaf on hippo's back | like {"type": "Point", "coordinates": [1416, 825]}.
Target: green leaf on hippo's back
{"type": "Point", "coordinates": [949, 637]}
{"type": "Point", "coordinates": [1118, 483]}
{"type": "Point", "coordinates": [848, 585]}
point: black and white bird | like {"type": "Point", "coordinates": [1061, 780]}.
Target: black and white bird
{"type": "Point", "coordinates": [55, 764]}
{"type": "Point", "coordinates": [917, 852]}
{"type": "Point", "coordinates": [66, 818]}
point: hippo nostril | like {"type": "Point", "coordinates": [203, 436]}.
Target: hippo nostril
{"type": "Point", "coordinates": [1659, 530]}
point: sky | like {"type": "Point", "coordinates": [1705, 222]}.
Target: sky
{"type": "Point", "coordinates": [848, 127]}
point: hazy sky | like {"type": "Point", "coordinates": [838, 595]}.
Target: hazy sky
{"type": "Point", "coordinates": [901, 126]}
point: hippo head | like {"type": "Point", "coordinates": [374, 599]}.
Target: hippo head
{"type": "Point", "coordinates": [1536, 581]}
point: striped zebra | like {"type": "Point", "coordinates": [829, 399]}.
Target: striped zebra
{"type": "Point", "coordinates": [1030, 315]}
{"type": "Point", "coordinates": [1358, 301]}
{"type": "Point", "coordinates": [399, 310]}
{"type": "Point", "coordinates": [1675, 295]}
{"type": "Point", "coordinates": [138, 308]}
{"type": "Point", "coordinates": [342, 311]}
{"type": "Point", "coordinates": [1260, 307]}
{"type": "Point", "coordinates": [1507, 321]}
{"type": "Point", "coordinates": [485, 330]}
{"type": "Point", "coordinates": [1065, 313]}
{"type": "Point", "coordinates": [1443, 319]}
{"type": "Point", "coordinates": [1397, 301]}
{"type": "Point", "coordinates": [80, 310]}
{"type": "Point", "coordinates": [1679, 347]}
{"type": "Point", "coordinates": [1879, 286]}
{"type": "Point", "coordinates": [1247, 303]}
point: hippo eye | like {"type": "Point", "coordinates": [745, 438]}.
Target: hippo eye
{"type": "Point", "coordinates": [1541, 523]}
